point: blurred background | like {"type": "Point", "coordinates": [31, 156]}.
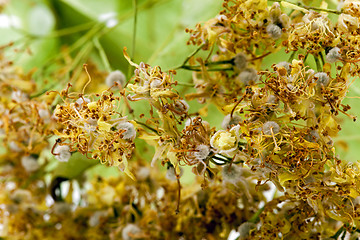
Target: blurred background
{"type": "Point", "coordinates": [54, 38]}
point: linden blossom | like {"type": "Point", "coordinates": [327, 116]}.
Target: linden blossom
{"type": "Point", "coordinates": [272, 172]}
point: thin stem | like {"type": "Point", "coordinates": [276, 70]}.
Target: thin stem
{"type": "Point", "coordinates": [185, 84]}
{"type": "Point", "coordinates": [196, 69]}
{"type": "Point", "coordinates": [322, 58]}
{"type": "Point", "coordinates": [255, 218]}
{"type": "Point", "coordinates": [133, 37]}
{"type": "Point", "coordinates": [318, 64]}
{"type": "Point", "coordinates": [322, 9]}
{"type": "Point", "coordinates": [309, 7]}
{"type": "Point", "coordinates": [134, 29]}
{"type": "Point", "coordinates": [102, 53]}
{"type": "Point", "coordinates": [147, 126]}
{"type": "Point", "coordinates": [292, 56]}
{"type": "Point", "coordinates": [190, 56]}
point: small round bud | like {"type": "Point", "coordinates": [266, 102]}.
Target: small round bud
{"type": "Point", "coordinates": [29, 163]}
{"type": "Point", "coordinates": [333, 55]}
{"type": "Point", "coordinates": [115, 76]}
{"type": "Point", "coordinates": [62, 153]}
{"type": "Point", "coordinates": [170, 173]}
{"type": "Point", "coordinates": [245, 228]}
{"type": "Point", "coordinates": [130, 132]}
{"type": "Point", "coordinates": [156, 83]}
{"type": "Point", "coordinates": [229, 121]}
{"type": "Point", "coordinates": [313, 136]}
{"type": "Point", "coordinates": [275, 12]}
{"type": "Point", "coordinates": [322, 79]}
{"type": "Point", "coordinates": [248, 76]}
{"type": "Point", "coordinates": [231, 173]}
{"type": "Point", "coordinates": [285, 65]}
{"type": "Point", "coordinates": [240, 61]}
{"type": "Point", "coordinates": [181, 106]}
{"type": "Point", "coordinates": [274, 31]}
{"type": "Point", "coordinates": [270, 126]}
{"type": "Point", "coordinates": [202, 151]}
{"type": "Point", "coordinates": [82, 101]}
{"type": "Point", "coordinates": [129, 231]}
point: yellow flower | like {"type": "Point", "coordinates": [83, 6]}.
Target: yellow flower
{"type": "Point", "coordinates": [225, 141]}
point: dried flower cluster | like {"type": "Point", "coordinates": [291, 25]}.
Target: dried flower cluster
{"type": "Point", "coordinates": [277, 131]}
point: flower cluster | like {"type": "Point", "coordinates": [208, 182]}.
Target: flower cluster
{"type": "Point", "coordinates": [278, 129]}
{"type": "Point", "coordinates": [94, 128]}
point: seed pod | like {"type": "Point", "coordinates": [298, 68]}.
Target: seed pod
{"type": "Point", "coordinates": [322, 79]}
{"type": "Point", "coordinates": [202, 151]}
{"type": "Point", "coordinates": [274, 31]}
{"type": "Point", "coordinates": [285, 65]}
{"type": "Point", "coordinates": [156, 83]}
{"type": "Point", "coordinates": [229, 121]}
{"type": "Point", "coordinates": [130, 132]}
{"type": "Point", "coordinates": [62, 153]}
{"type": "Point", "coordinates": [240, 61]}
{"type": "Point", "coordinates": [231, 173]}
{"type": "Point", "coordinates": [333, 55]}
{"type": "Point", "coordinates": [248, 76]}
{"type": "Point", "coordinates": [313, 136]}
{"type": "Point", "coordinates": [115, 76]}
{"type": "Point", "coordinates": [270, 126]}
{"type": "Point", "coordinates": [80, 102]}
{"type": "Point", "coordinates": [181, 106]}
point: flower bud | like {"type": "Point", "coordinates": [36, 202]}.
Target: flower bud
{"type": "Point", "coordinates": [240, 61]}
{"type": "Point", "coordinates": [270, 126]}
{"type": "Point", "coordinates": [285, 65]}
{"type": "Point", "coordinates": [248, 76]}
{"type": "Point", "coordinates": [130, 132]}
{"type": "Point", "coordinates": [231, 173]}
{"type": "Point", "coordinates": [181, 106]}
{"type": "Point", "coordinates": [81, 101]}
{"type": "Point", "coordinates": [202, 151]}
{"type": "Point", "coordinates": [274, 31]}
{"type": "Point", "coordinates": [115, 76]}
{"type": "Point", "coordinates": [322, 79]}
{"type": "Point", "coordinates": [229, 121]}
{"type": "Point", "coordinates": [62, 153]}
{"type": "Point", "coordinates": [333, 55]}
